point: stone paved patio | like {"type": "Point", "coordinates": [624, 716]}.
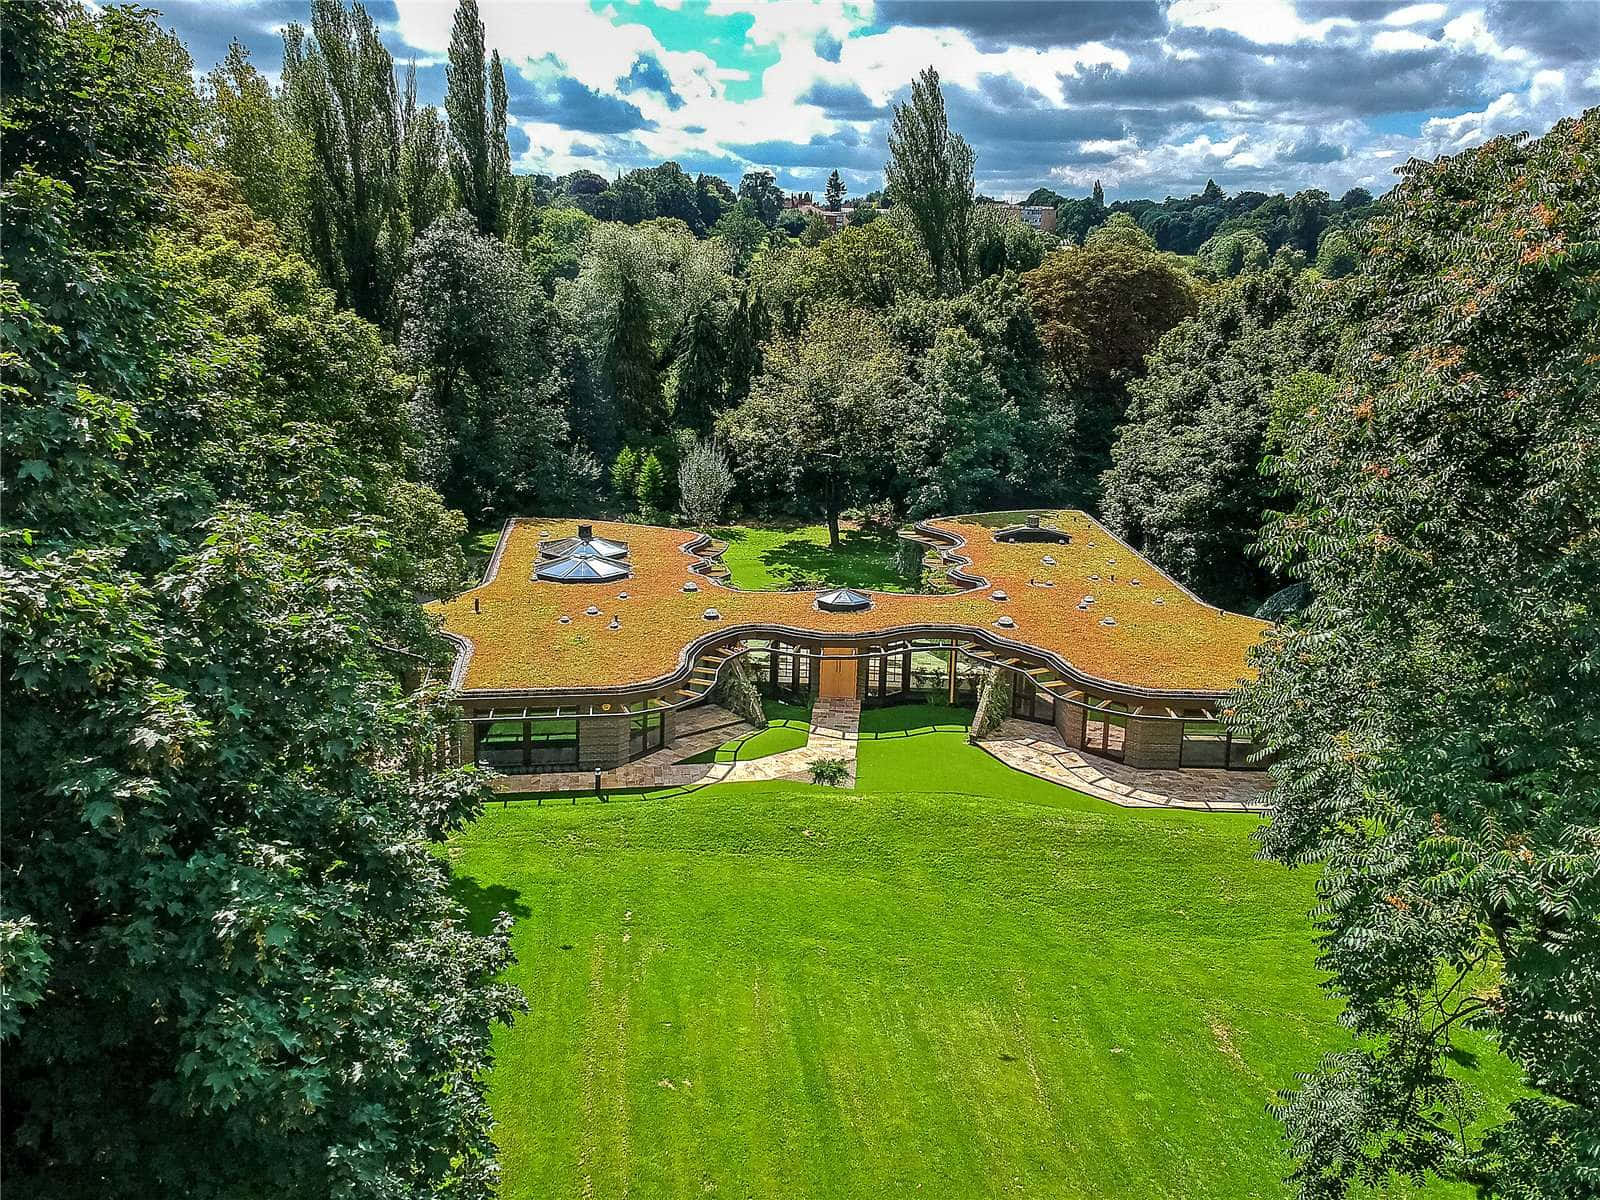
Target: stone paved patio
{"type": "Point", "coordinates": [703, 727]}
{"type": "Point", "coordinates": [1039, 751]}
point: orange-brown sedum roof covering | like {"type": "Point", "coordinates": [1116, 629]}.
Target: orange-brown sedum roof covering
{"type": "Point", "coordinates": [519, 644]}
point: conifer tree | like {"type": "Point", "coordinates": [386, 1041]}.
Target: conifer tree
{"type": "Point", "coordinates": [835, 191]}
{"type": "Point", "coordinates": [631, 361]}
{"type": "Point", "coordinates": [698, 395]}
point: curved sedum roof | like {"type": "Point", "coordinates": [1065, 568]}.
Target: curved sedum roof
{"type": "Point", "coordinates": [1142, 630]}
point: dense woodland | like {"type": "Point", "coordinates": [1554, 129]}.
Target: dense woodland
{"type": "Point", "coordinates": [270, 352]}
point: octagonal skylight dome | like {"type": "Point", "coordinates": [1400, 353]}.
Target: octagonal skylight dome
{"type": "Point", "coordinates": [585, 545]}
{"type": "Point", "coordinates": [580, 570]}
{"type": "Point", "coordinates": [844, 600]}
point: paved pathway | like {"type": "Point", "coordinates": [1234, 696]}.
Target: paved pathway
{"type": "Point", "coordinates": [835, 731]}
{"type": "Point", "coordinates": [1038, 750]}
{"type": "Point", "coordinates": [835, 728]}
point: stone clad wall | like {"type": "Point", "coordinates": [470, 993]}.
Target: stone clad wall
{"type": "Point", "coordinates": [602, 742]}
{"type": "Point", "coordinates": [1069, 724]}
{"type": "Point", "coordinates": [1153, 745]}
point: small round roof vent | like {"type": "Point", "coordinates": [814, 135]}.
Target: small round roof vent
{"type": "Point", "coordinates": [844, 600]}
{"type": "Point", "coordinates": [713, 615]}
{"type": "Point", "coordinates": [1048, 560]}
{"type": "Point", "coordinates": [1108, 620]}
{"type": "Point", "coordinates": [592, 611]}
{"type": "Point", "coordinates": [691, 586]}
{"type": "Point", "coordinates": [1006, 623]}
{"type": "Point", "coordinates": [998, 595]}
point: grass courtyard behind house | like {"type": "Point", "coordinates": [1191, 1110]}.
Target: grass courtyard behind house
{"type": "Point", "coordinates": [955, 981]}
{"type": "Point", "coordinates": [779, 558]}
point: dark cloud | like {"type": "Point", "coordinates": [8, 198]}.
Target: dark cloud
{"type": "Point", "coordinates": [517, 139]}
{"type": "Point", "coordinates": [827, 46]}
{"type": "Point", "coordinates": [1560, 32]}
{"type": "Point", "coordinates": [208, 28]}
{"type": "Point", "coordinates": [648, 75]}
{"type": "Point", "coordinates": [821, 152]}
{"type": "Point", "coordinates": [566, 102]}
{"type": "Point", "coordinates": [844, 100]}
{"type": "Point", "coordinates": [1314, 150]}
{"type": "Point", "coordinates": [1003, 112]}
{"type": "Point", "coordinates": [1008, 22]}
{"type": "Point", "coordinates": [1312, 11]}
{"type": "Point", "coordinates": [1346, 79]}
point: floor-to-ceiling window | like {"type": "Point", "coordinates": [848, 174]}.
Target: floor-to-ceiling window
{"type": "Point", "coordinates": [780, 670]}
{"type": "Point", "coordinates": [544, 740]}
{"type": "Point", "coordinates": [1105, 727]}
{"type": "Point", "coordinates": [647, 731]}
{"type": "Point", "coordinates": [1033, 703]}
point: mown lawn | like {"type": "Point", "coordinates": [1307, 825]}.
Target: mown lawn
{"type": "Point", "coordinates": [778, 558]}
{"type": "Point", "coordinates": [956, 981]}
{"type": "Point", "coordinates": [788, 727]}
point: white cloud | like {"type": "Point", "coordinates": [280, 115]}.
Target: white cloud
{"type": "Point", "coordinates": [1390, 40]}
{"type": "Point", "coordinates": [1415, 14]}
{"type": "Point", "coordinates": [1264, 22]}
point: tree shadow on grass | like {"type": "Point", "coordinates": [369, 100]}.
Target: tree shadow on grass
{"type": "Point", "coordinates": [484, 904]}
{"type": "Point", "coordinates": [863, 560]}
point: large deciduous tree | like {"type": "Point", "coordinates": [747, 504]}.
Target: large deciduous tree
{"type": "Point", "coordinates": [1185, 484]}
{"type": "Point", "coordinates": [474, 330]}
{"type": "Point", "coordinates": [822, 417]}
{"type": "Point", "coordinates": [475, 103]}
{"type": "Point", "coordinates": [242, 971]}
{"type": "Point", "coordinates": [930, 172]}
{"type": "Point", "coordinates": [245, 130]}
{"type": "Point", "coordinates": [1435, 713]}
{"type": "Point", "coordinates": [1098, 313]}
{"type": "Point", "coordinates": [340, 88]}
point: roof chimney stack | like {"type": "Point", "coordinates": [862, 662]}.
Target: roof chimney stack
{"type": "Point", "coordinates": [1033, 521]}
{"type": "Point", "coordinates": [585, 533]}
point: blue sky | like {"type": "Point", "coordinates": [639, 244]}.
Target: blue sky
{"type": "Point", "coordinates": [1152, 97]}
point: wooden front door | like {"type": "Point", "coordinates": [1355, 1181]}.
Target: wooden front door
{"type": "Point", "coordinates": [837, 679]}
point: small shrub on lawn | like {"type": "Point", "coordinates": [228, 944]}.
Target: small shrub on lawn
{"type": "Point", "coordinates": [829, 772]}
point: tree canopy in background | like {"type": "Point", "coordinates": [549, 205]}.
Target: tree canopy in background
{"type": "Point", "coordinates": [1185, 485]}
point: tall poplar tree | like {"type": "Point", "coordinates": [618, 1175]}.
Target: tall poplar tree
{"type": "Point", "coordinates": [339, 83]}
{"type": "Point", "coordinates": [930, 172]}
{"type": "Point", "coordinates": [424, 163]}
{"type": "Point", "coordinates": [475, 102]}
